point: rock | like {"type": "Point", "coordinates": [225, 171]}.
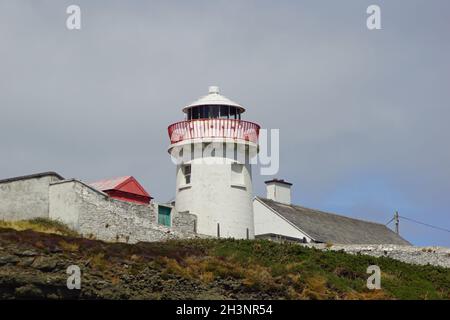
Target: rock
{"type": "Point", "coordinates": [26, 262]}
{"type": "Point", "coordinates": [29, 291]}
{"type": "Point", "coordinates": [55, 249]}
{"type": "Point", "coordinates": [8, 259]}
{"type": "Point", "coordinates": [44, 263]}
{"type": "Point", "coordinates": [26, 253]}
{"type": "Point", "coordinates": [53, 296]}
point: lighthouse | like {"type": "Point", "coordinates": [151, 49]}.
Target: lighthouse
{"type": "Point", "coordinates": [214, 149]}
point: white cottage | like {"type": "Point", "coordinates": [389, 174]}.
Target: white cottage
{"type": "Point", "coordinates": [276, 218]}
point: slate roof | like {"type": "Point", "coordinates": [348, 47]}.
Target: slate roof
{"type": "Point", "coordinates": [329, 227]}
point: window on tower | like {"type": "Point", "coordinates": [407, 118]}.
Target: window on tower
{"type": "Point", "coordinates": [186, 169]}
{"type": "Point", "coordinates": [237, 174]}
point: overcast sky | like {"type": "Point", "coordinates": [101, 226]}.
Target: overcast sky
{"type": "Point", "coordinates": [363, 115]}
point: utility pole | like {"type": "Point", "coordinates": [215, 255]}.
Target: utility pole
{"type": "Point", "coordinates": [396, 222]}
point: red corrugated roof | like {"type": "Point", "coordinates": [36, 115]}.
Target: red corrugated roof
{"type": "Point", "coordinates": [109, 184]}
{"type": "Point", "coordinates": [126, 184]}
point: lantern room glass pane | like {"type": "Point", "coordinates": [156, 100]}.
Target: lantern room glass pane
{"type": "Point", "coordinates": [203, 112]}
{"type": "Point", "coordinates": [213, 112]}
{"type": "Point", "coordinates": [195, 113]}
{"type": "Point", "coordinates": [225, 112]}
{"type": "Point", "coordinates": [232, 112]}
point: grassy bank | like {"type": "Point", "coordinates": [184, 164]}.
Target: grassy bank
{"type": "Point", "coordinates": [39, 225]}
{"type": "Point", "coordinates": [202, 269]}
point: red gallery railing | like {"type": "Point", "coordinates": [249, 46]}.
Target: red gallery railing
{"type": "Point", "coordinates": [214, 128]}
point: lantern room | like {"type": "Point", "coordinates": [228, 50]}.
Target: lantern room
{"type": "Point", "coordinates": [213, 116]}
{"type": "Point", "coordinates": [213, 106]}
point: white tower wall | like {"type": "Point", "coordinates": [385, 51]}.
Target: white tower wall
{"type": "Point", "coordinates": [220, 194]}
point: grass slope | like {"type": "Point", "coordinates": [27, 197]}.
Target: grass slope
{"type": "Point", "coordinates": [202, 269]}
{"type": "Point", "coordinates": [39, 225]}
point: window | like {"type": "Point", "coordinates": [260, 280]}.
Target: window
{"type": "Point", "coordinates": [195, 113]}
{"type": "Point", "coordinates": [186, 173]}
{"type": "Point", "coordinates": [237, 174]}
{"type": "Point", "coordinates": [232, 112]}
{"type": "Point", "coordinates": [164, 215]}
{"type": "Point", "coordinates": [203, 112]}
{"type": "Point", "coordinates": [225, 112]}
{"type": "Point", "coordinates": [214, 111]}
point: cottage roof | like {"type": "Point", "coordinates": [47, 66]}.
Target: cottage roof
{"type": "Point", "coordinates": [329, 227]}
{"type": "Point", "coordinates": [126, 184]}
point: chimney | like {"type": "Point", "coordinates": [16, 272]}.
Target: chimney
{"type": "Point", "coordinates": [279, 190]}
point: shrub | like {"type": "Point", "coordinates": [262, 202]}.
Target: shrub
{"type": "Point", "coordinates": [99, 262]}
{"type": "Point", "coordinates": [71, 247]}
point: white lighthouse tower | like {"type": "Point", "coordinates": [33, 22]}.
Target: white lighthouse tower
{"type": "Point", "coordinates": [213, 148]}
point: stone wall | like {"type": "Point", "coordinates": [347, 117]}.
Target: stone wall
{"type": "Point", "coordinates": [26, 197]}
{"type": "Point", "coordinates": [437, 256]}
{"type": "Point", "coordinates": [94, 214]}
{"type": "Point", "coordinates": [184, 222]}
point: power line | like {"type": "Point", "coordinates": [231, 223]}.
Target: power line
{"type": "Point", "coordinates": [389, 221]}
{"type": "Point", "coordinates": [422, 223]}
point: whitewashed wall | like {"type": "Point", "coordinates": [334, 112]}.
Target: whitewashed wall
{"type": "Point", "coordinates": [214, 199]}
{"type": "Point", "coordinates": [279, 192]}
{"type": "Point", "coordinates": [266, 222]}
{"type": "Point", "coordinates": [25, 199]}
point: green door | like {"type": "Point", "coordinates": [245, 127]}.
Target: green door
{"type": "Point", "coordinates": [164, 215]}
